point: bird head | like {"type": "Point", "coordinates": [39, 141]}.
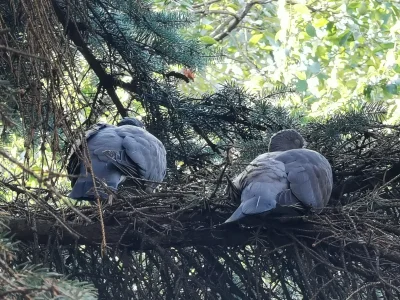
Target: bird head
{"type": "Point", "coordinates": [285, 140]}
{"type": "Point", "coordinates": [131, 121]}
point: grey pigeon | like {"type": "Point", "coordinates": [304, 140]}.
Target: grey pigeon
{"type": "Point", "coordinates": [117, 152]}
{"type": "Point", "coordinates": [286, 176]}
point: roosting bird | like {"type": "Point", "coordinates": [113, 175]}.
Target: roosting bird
{"type": "Point", "coordinates": [118, 153]}
{"type": "Point", "coordinates": [286, 176]}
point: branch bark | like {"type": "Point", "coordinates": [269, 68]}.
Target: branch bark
{"type": "Point", "coordinates": [21, 53]}
{"type": "Point", "coordinates": [106, 80]}
{"type": "Point", "coordinates": [132, 239]}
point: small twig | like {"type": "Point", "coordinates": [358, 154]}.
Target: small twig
{"type": "Point", "coordinates": [219, 180]}
{"type": "Point", "coordinates": [205, 3]}
{"type": "Point", "coordinates": [361, 288]}
{"type": "Point", "coordinates": [8, 49]}
{"type": "Point", "coordinates": [233, 22]}
{"type": "Point", "coordinates": [5, 30]}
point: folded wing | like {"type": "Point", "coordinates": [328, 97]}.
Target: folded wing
{"type": "Point", "coordinates": [117, 153]}
{"type": "Point", "coordinates": [282, 179]}
{"type": "Point", "coordinates": [309, 175]}
{"type": "Point", "coordinates": [74, 162]}
{"type": "Point", "coordinates": [145, 153]}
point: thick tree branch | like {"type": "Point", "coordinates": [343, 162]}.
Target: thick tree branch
{"type": "Point", "coordinates": [132, 239]}
{"type": "Point", "coordinates": [224, 236]}
{"type": "Point", "coordinates": [106, 80]}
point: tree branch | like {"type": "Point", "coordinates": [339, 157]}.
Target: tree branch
{"type": "Point", "coordinates": [106, 80]}
{"type": "Point", "coordinates": [205, 4]}
{"type": "Point", "coordinates": [361, 182]}
{"type": "Point", "coordinates": [217, 12]}
{"type": "Point", "coordinates": [21, 53]}
{"type": "Point", "coordinates": [234, 21]}
{"type": "Point", "coordinates": [132, 239]}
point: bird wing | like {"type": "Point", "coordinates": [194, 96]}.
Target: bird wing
{"type": "Point", "coordinates": [280, 179]}
{"type": "Point", "coordinates": [142, 153]}
{"type": "Point", "coordinates": [104, 141]}
{"type": "Point", "coordinates": [74, 163]}
{"type": "Point", "coordinates": [259, 186]}
{"type": "Point", "coordinates": [254, 170]}
{"type": "Point", "coordinates": [310, 176]}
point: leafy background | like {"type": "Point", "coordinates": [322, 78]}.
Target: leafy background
{"type": "Point", "coordinates": [336, 54]}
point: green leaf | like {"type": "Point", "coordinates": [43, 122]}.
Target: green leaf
{"type": "Point", "coordinates": [384, 47]}
{"type": "Point", "coordinates": [301, 75]}
{"type": "Point", "coordinates": [344, 37]}
{"type": "Point", "coordinates": [208, 40]}
{"type": "Point", "coordinates": [232, 49]}
{"type": "Point", "coordinates": [301, 85]}
{"type": "Point", "coordinates": [320, 22]}
{"type": "Point", "coordinates": [36, 169]}
{"type": "Point", "coordinates": [331, 27]}
{"type": "Point", "coordinates": [396, 11]}
{"type": "Point", "coordinates": [353, 5]}
{"type": "Point", "coordinates": [255, 38]}
{"type": "Point", "coordinates": [361, 40]}
{"type": "Point", "coordinates": [396, 68]}
{"type": "Point", "coordinates": [391, 89]}
{"type": "Point", "coordinates": [352, 83]}
{"type": "Point", "coordinates": [234, 6]}
{"type": "Point", "coordinates": [315, 67]}
{"type": "Point", "coordinates": [322, 77]}
{"type": "Point", "coordinates": [363, 9]}
{"type": "Point", "coordinates": [207, 27]}
{"type": "Point", "coordinates": [300, 8]}
{"type": "Point", "coordinates": [322, 52]}
{"type": "Point", "coordinates": [385, 18]}
{"type": "Point", "coordinates": [310, 30]}
{"type": "Point", "coordinates": [215, 6]}
{"type": "Point", "coordinates": [367, 91]}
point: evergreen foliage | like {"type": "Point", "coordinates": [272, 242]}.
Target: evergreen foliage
{"type": "Point", "coordinates": [26, 281]}
{"type": "Point", "coordinates": [67, 72]}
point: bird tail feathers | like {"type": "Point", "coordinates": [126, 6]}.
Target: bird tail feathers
{"type": "Point", "coordinates": [253, 206]}
{"type": "Point", "coordinates": [237, 215]}
{"type": "Point", "coordinates": [84, 190]}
